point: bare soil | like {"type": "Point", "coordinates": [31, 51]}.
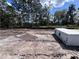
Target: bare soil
{"type": "Point", "coordinates": [33, 44]}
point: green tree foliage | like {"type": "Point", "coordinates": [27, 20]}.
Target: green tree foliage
{"type": "Point", "coordinates": [5, 20]}
{"type": "Point", "coordinates": [7, 16]}
{"type": "Point", "coordinates": [70, 14]}
{"type": "Point", "coordinates": [59, 16]}
{"type": "Point", "coordinates": [66, 17]}
{"type": "Point", "coordinates": [1, 11]}
{"type": "Point", "coordinates": [10, 9]}
{"type": "Point", "coordinates": [4, 0]}
{"type": "Point", "coordinates": [31, 10]}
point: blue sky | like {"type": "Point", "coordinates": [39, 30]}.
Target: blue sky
{"type": "Point", "coordinates": [65, 6]}
{"type": "Point", "coordinates": [56, 4]}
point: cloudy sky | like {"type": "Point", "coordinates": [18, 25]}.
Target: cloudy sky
{"type": "Point", "coordinates": [56, 4]}
{"type": "Point", "coordinates": [63, 4]}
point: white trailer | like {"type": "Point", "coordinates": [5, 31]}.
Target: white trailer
{"type": "Point", "coordinates": [69, 36]}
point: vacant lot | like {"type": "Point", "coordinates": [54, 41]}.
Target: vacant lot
{"type": "Point", "coordinates": [33, 44]}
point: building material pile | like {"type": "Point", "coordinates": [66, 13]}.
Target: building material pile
{"type": "Point", "coordinates": [68, 36]}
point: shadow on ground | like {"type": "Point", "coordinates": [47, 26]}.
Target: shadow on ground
{"type": "Point", "coordinates": [74, 48]}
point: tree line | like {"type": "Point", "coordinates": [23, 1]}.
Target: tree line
{"type": "Point", "coordinates": [28, 13]}
{"type": "Point", "coordinates": [67, 17]}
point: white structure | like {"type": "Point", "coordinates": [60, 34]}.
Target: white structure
{"type": "Point", "coordinates": [68, 36]}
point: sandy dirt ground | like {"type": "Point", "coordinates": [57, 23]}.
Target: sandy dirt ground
{"type": "Point", "coordinates": [33, 44]}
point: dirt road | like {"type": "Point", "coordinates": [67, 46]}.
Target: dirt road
{"type": "Point", "coordinates": [33, 44]}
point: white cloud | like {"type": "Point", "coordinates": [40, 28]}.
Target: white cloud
{"type": "Point", "coordinates": [54, 3]}
{"type": "Point", "coordinates": [9, 4]}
